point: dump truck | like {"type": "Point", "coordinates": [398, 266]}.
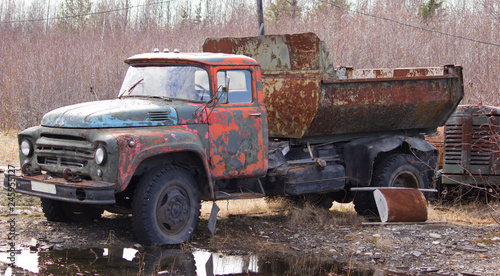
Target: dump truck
{"type": "Point", "coordinates": [247, 118]}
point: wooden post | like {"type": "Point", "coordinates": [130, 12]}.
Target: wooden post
{"type": "Point", "coordinates": [260, 15]}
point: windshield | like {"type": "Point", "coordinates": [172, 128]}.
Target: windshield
{"type": "Point", "coordinates": [181, 82]}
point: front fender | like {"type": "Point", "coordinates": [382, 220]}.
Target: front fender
{"type": "Point", "coordinates": [134, 146]}
{"type": "Point", "coordinates": [360, 154]}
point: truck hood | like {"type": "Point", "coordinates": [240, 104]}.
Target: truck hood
{"type": "Point", "coordinates": [113, 113]}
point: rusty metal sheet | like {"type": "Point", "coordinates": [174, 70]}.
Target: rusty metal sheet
{"type": "Point", "coordinates": [375, 106]}
{"type": "Point", "coordinates": [238, 143]}
{"type": "Point", "coordinates": [401, 205]}
{"type": "Point", "coordinates": [136, 145]}
{"type": "Point", "coordinates": [290, 114]}
{"type": "Point", "coordinates": [437, 140]}
{"type": "Point", "coordinates": [295, 52]}
{"type": "Point", "coordinates": [394, 73]}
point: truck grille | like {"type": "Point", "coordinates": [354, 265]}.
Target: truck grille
{"type": "Point", "coordinates": [63, 150]}
{"type": "Point", "coordinates": [453, 144]}
{"type": "Point", "coordinates": [472, 147]}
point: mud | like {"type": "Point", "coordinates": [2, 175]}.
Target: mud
{"type": "Point", "coordinates": [261, 244]}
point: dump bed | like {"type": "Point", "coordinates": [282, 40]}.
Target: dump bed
{"type": "Point", "coordinates": [306, 96]}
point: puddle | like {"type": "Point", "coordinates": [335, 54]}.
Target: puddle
{"type": "Point", "coordinates": [129, 261]}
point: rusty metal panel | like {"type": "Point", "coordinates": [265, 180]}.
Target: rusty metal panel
{"type": "Point", "coordinates": [290, 114]}
{"type": "Point", "coordinates": [296, 52]}
{"type": "Point", "coordinates": [394, 73]}
{"type": "Point", "coordinates": [383, 105]}
{"type": "Point", "coordinates": [401, 205]}
{"type": "Point", "coordinates": [238, 139]}
{"type": "Point", "coordinates": [136, 145]}
{"type": "Point", "coordinates": [437, 140]}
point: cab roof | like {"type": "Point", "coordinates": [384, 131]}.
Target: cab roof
{"type": "Point", "coordinates": [202, 58]}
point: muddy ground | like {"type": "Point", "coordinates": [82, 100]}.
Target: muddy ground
{"type": "Point", "coordinates": [337, 236]}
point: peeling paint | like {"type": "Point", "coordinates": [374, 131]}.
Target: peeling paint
{"type": "Point", "coordinates": [112, 113]}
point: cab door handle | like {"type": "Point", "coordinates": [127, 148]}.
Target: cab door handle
{"type": "Point", "coordinates": [256, 114]}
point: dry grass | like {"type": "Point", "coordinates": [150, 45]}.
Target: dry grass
{"type": "Point", "coordinates": [339, 214]}
{"type": "Point", "coordinates": [470, 214]}
{"type": "Point", "coordinates": [238, 207]}
{"type": "Point", "coordinates": [9, 155]}
{"type": "Point", "coordinates": [343, 214]}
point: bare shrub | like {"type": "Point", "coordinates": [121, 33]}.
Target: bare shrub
{"type": "Point", "coordinates": [46, 66]}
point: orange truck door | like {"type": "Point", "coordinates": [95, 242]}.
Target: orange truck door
{"type": "Point", "coordinates": [237, 127]}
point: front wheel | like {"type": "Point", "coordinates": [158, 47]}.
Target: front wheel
{"type": "Point", "coordinates": [166, 207]}
{"type": "Point", "coordinates": [396, 170]}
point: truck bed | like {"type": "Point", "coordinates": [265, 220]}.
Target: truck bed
{"type": "Point", "coordinates": [306, 97]}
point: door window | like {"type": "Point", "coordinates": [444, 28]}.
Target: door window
{"type": "Point", "coordinates": [240, 86]}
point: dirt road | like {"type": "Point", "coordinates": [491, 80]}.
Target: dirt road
{"type": "Point", "coordinates": [338, 241]}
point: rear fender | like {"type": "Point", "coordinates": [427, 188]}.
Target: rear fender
{"type": "Point", "coordinates": [136, 146]}
{"type": "Point", "coordinates": [360, 154]}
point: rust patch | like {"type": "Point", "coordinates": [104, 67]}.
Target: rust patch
{"type": "Point", "coordinates": [238, 147]}
{"type": "Point", "coordinates": [152, 142]}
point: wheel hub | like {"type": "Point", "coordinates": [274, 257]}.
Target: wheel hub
{"type": "Point", "coordinates": [173, 211]}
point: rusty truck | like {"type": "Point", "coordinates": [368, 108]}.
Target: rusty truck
{"type": "Point", "coordinates": [248, 117]}
{"type": "Point", "coordinates": [469, 153]}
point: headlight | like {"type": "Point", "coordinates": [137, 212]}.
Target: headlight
{"type": "Point", "coordinates": [26, 147]}
{"type": "Point", "coordinates": [100, 155]}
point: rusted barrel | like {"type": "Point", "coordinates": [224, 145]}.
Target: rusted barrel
{"type": "Point", "coordinates": [401, 205]}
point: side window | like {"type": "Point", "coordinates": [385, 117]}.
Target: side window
{"type": "Point", "coordinates": [240, 86]}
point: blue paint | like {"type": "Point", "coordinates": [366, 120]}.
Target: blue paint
{"type": "Point", "coordinates": [113, 114]}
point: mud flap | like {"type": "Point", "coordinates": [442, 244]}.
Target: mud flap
{"type": "Point", "coordinates": [213, 218]}
{"type": "Point", "coordinates": [401, 205]}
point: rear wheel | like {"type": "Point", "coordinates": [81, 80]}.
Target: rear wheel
{"type": "Point", "coordinates": [60, 211]}
{"type": "Point", "coordinates": [396, 170]}
{"type": "Point", "coordinates": [166, 207]}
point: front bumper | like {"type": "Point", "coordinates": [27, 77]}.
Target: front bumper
{"type": "Point", "coordinates": [84, 192]}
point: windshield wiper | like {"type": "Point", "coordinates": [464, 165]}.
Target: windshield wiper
{"type": "Point", "coordinates": [129, 90]}
{"type": "Point", "coordinates": [151, 96]}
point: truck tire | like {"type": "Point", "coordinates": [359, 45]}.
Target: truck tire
{"type": "Point", "coordinates": [60, 211]}
{"type": "Point", "coordinates": [166, 207]}
{"type": "Point", "coordinates": [395, 170]}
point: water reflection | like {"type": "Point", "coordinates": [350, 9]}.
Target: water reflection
{"type": "Point", "coordinates": [160, 261]}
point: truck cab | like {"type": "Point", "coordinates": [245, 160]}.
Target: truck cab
{"type": "Point", "coordinates": [201, 116]}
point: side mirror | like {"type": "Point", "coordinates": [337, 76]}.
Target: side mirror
{"type": "Point", "coordinates": [223, 92]}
